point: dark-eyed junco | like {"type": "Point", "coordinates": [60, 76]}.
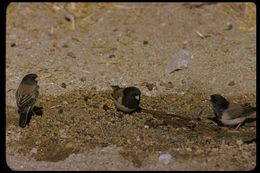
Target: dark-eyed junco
{"type": "Point", "coordinates": [231, 114]}
{"type": "Point", "coordinates": [126, 99]}
{"type": "Point", "coordinates": [26, 96]}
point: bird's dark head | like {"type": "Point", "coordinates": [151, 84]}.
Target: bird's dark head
{"type": "Point", "coordinates": [133, 93]}
{"type": "Point", "coordinates": [219, 102]}
{"type": "Point", "coordinates": [30, 77]}
{"type": "Point", "coordinates": [131, 98]}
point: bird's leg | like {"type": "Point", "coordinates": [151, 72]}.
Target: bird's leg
{"type": "Point", "coordinates": [37, 111]}
{"type": "Point", "coordinates": [238, 126]}
{"type": "Point", "coordinates": [33, 112]}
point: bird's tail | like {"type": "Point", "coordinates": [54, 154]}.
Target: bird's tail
{"type": "Point", "coordinates": [115, 87]}
{"type": "Point", "coordinates": [24, 117]}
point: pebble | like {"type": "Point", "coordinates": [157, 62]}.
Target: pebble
{"type": "Point", "coordinates": [60, 111]}
{"type": "Point", "coordinates": [150, 86]}
{"type": "Point", "coordinates": [165, 158]}
{"type": "Point", "coordinates": [146, 126]}
{"type": "Point", "coordinates": [34, 150]}
{"type": "Point", "coordinates": [199, 151]}
{"type": "Point", "coordinates": [232, 83]}
{"type": "Point", "coordinates": [229, 26]}
{"type": "Point", "coordinates": [188, 149]}
{"type": "Point", "coordinates": [71, 54]}
{"type": "Point", "coordinates": [179, 61]}
{"type": "Point", "coordinates": [145, 42]}
{"type": "Point", "coordinates": [239, 142]}
{"type": "Point", "coordinates": [65, 46]}
{"type": "Point", "coordinates": [69, 145]}
{"type": "Point", "coordinates": [65, 102]}
{"type": "Point", "coordinates": [112, 56]}
{"type": "Point", "coordinates": [63, 85]}
{"type": "Point", "coordinates": [83, 79]}
{"type": "Point", "coordinates": [215, 149]}
{"type": "Point", "coordinates": [105, 107]}
{"type": "Point", "coordinates": [13, 45]}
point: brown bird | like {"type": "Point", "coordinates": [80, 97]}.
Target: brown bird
{"type": "Point", "coordinates": [126, 99]}
{"type": "Point", "coordinates": [26, 96]}
{"type": "Point", "coordinates": [231, 113]}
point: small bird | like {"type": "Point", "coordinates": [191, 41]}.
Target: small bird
{"type": "Point", "coordinates": [26, 96]}
{"type": "Point", "coordinates": [231, 113]}
{"type": "Point", "coordinates": [126, 99]}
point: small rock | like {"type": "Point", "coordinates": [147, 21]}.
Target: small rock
{"type": "Point", "coordinates": [60, 111]}
{"type": "Point", "coordinates": [165, 158]}
{"type": "Point", "coordinates": [86, 98]}
{"type": "Point", "coordinates": [69, 145]}
{"type": "Point", "coordinates": [239, 142]}
{"type": "Point", "coordinates": [232, 83]}
{"type": "Point", "coordinates": [13, 45]}
{"type": "Point", "coordinates": [70, 54]}
{"type": "Point", "coordinates": [63, 85]}
{"type": "Point", "coordinates": [69, 16]}
{"type": "Point", "coordinates": [150, 86]}
{"type": "Point", "coordinates": [93, 88]}
{"type": "Point", "coordinates": [184, 44]}
{"type": "Point", "coordinates": [105, 107]}
{"type": "Point", "coordinates": [65, 102]}
{"type": "Point", "coordinates": [111, 56]}
{"type": "Point", "coordinates": [229, 26]}
{"type": "Point", "coordinates": [59, 69]}
{"type": "Point", "coordinates": [179, 61]}
{"type": "Point", "coordinates": [145, 42]}
{"type": "Point", "coordinates": [199, 151]}
{"type": "Point", "coordinates": [215, 149]}
{"type": "Point", "coordinates": [83, 79]}
{"type": "Point", "coordinates": [34, 150]}
{"type": "Point", "coordinates": [65, 46]}
{"type": "Point", "coordinates": [146, 126]}
{"type": "Point", "coordinates": [188, 149]}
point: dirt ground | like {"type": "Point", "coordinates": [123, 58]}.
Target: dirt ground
{"type": "Point", "coordinates": [79, 50]}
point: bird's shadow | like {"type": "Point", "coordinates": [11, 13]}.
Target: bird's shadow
{"type": "Point", "coordinates": [138, 110]}
{"type": "Point", "coordinates": [216, 120]}
{"type": "Point", "coordinates": [250, 120]}
{"type": "Point", "coordinates": [169, 119]}
{"type": "Point", "coordinates": [36, 111]}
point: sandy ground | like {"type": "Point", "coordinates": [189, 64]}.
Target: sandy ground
{"type": "Point", "coordinates": [130, 45]}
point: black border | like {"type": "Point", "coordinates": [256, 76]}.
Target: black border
{"type": "Point", "coordinates": [3, 9]}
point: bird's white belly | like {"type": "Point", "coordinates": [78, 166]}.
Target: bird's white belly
{"type": "Point", "coordinates": [225, 120]}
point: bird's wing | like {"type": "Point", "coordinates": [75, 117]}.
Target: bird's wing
{"type": "Point", "coordinates": [28, 96]}
{"type": "Point", "coordinates": [249, 110]}
{"type": "Point", "coordinates": [118, 92]}
{"type": "Point", "coordinates": [234, 110]}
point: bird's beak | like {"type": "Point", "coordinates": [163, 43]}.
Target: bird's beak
{"type": "Point", "coordinates": [137, 97]}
